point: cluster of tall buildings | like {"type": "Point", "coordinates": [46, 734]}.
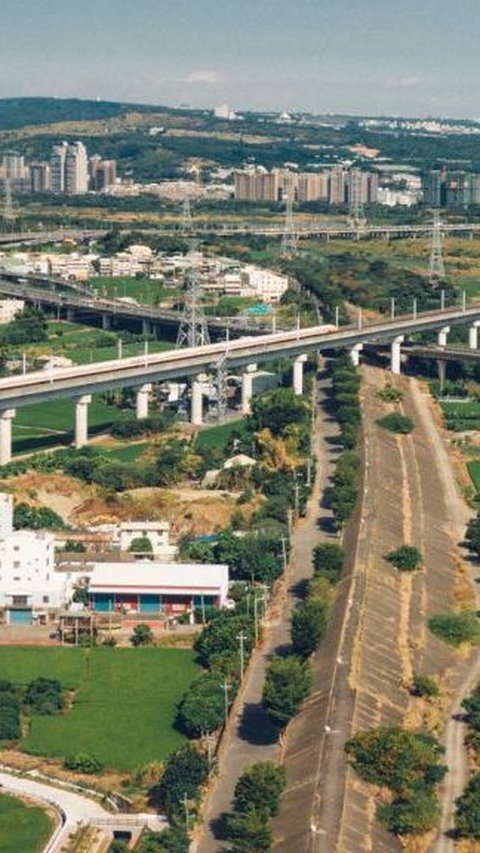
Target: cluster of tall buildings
{"type": "Point", "coordinates": [334, 186]}
{"type": "Point", "coordinates": [69, 171]}
{"type": "Point", "coordinates": [451, 188]}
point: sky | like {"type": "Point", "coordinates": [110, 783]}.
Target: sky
{"type": "Point", "coordinates": [407, 57]}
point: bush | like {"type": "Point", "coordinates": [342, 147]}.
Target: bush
{"type": "Point", "coordinates": [390, 394]}
{"type": "Point", "coordinates": [33, 518]}
{"type": "Point", "coordinates": [202, 709]}
{"type": "Point", "coordinates": [456, 628]}
{"type": "Point", "coordinates": [142, 635]}
{"type": "Point", "coordinates": [83, 763]}
{"type": "Point", "coordinates": [287, 684]}
{"type": "Point", "coordinates": [9, 716]}
{"type": "Point", "coordinates": [396, 758]}
{"type": "Point", "coordinates": [415, 813]}
{"type": "Point", "coordinates": [141, 545]}
{"type": "Point", "coordinates": [328, 560]}
{"type": "Point", "coordinates": [250, 832]}
{"type": "Point", "coordinates": [309, 621]}
{"type": "Point", "coordinates": [467, 815]}
{"type": "Point", "coordinates": [185, 771]}
{"type": "Point", "coordinates": [395, 422]}
{"type": "Point", "coordinates": [260, 787]}
{"type": "Point", "coordinates": [406, 558]}
{"type": "Point", "coordinates": [423, 685]}
{"type": "Point", "coordinates": [44, 696]}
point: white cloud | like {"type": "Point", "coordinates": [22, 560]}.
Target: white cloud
{"type": "Point", "coordinates": [204, 76]}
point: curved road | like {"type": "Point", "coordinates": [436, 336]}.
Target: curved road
{"type": "Point", "coordinates": [74, 807]}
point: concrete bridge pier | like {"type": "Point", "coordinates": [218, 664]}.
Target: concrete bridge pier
{"type": "Point", "coordinates": [106, 322]}
{"type": "Point", "coordinates": [6, 418]}
{"type": "Point", "coordinates": [70, 315]}
{"type": "Point", "coordinates": [355, 354]}
{"type": "Point", "coordinates": [473, 335]}
{"type": "Point", "coordinates": [147, 327]}
{"type": "Point", "coordinates": [196, 413]}
{"type": "Point", "coordinates": [142, 400]}
{"type": "Point", "coordinates": [442, 337]}
{"type": "Point", "coordinates": [298, 374]}
{"type": "Point", "coordinates": [395, 356]}
{"type": "Point", "coordinates": [247, 388]}
{"type": "Point", "coordinates": [442, 373]}
{"type": "Point", "coordinates": [81, 419]}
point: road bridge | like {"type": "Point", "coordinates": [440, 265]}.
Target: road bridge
{"type": "Point", "coordinates": [80, 382]}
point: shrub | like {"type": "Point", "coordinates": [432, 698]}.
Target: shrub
{"type": "Point", "coordinates": [328, 560]}
{"type": "Point", "coordinates": [390, 394]}
{"type": "Point", "coordinates": [202, 709]}
{"type": "Point", "coordinates": [396, 758]}
{"type": "Point", "coordinates": [406, 558]}
{"type": "Point", "coordinates": [250, 832]}
{"type": "Point", "coordinates": [141, 545]}
{"type": "Point", "coordinates": [260, 786]}
{"type": "Point", "coordinates": [185, 771]}
{"type": "Point", "coordinates": [423, 685]}
{"type": "Point", "coordinates": [309, 621]}
{"type": "Point", "coordinates": [287, 684]}
{"type": "Point", "coordinates": [455, 628]}
{"type": "Point", "coordinates": [83, 763]}
{"type": "Point", "coordinates": [44, 696]}
{"type": "Point", "coordinates": [395, 422]}
{"type": "Point", "coordinates": [467, 816]}
{"type": "Point", "coordinates": [142, 635]}
{"type": "Point", "coordinates": [414, 813]}
{"type": "Point", "coordinates": [9, 716]}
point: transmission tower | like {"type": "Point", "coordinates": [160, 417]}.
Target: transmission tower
{"type": "Point", "coordinates": [436, 268]}
{"type": "Point", "coordinates": [8, 215]}
{"type": "Point", "coordinates": [187, 221]}
{"type": "Point", "coordinates": [289, 239]}
{"type": "Point", "coordinates": [356, 214]}
{"type": "Point", "coordinates": [193, 328]}
{"type": "Point", "coordinates": [221, 383]}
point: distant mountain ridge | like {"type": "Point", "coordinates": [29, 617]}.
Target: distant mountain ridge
{"type": "Point", "coordinates": [16, 113]}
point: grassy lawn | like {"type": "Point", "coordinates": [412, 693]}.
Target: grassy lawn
{"type": "Point", "coordinates": [144, 290]}
{"type": "Point", "coordinates": [23, 829]}
{"type": "Point", "coordinates": [86, 355]}
{"type": "Point", "coordinates": [124, 709]}
{"type": "Point", "coordinates": [56, 419]}
{"type": "Point", "coordinates": [474, 471]}
{"type": "Point", "coordinates": [218, 436]}
{"type": "Point", "coordinates": [460, 416]}
{"type": "Point", "coordinates": [128, 452]}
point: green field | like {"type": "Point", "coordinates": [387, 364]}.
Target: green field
{"type": "Point", "coordinates": [218, 436]}
{"type": "Point", "coordinates": [125, 705]}
{"type": "Point", "coordinates": [460, 416]}
{"type": "Point", "coordinates": [145, 290]}
{"type": "Point", "coordinates": [50, 424]}
{"type": "Point", "coordinates": [23, 829]}
{"type": "Point", "coordinates": [128, 452]}
{"type": "Point", "coordinates": [474, 471]}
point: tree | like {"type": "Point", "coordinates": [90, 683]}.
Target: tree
{"type": "Point", "coordinates": [415, 813]}
{"type": "Point", "coordinates": [142, 635]}
{"type": "Point", "coordinates": [395, 758]}
{"type": "Point", "coordinates": [202, 709]}
{"type": "Point", "coordinates": [328, 560]}
{"type": "Point", "coordinates": [287, 685]}
{"type": "Point", "coordinates": [472, 535]}
{"type": "Point", "coordinates": [9, 716]}
{"type": "Point", "coordinates": [36, 518]}
{"type": "Point", "coordinates": [467, 815]}
{"type": "Point", "coordinates": [141, 545]}
{"type": "Point", "coordinates": [44, 696]}
{"type": "Point", "coordinates": [309, 621]}
{"type": "Point", "coordinates": [250, 832]}
{"type": "Point", "coordinates": [171, 840]}
{"type": "Point", "coordinates": [456, 628]}
{"type": "Point", "coordinates": [260, 787]}
{"type": "Point", "coordinates": [83, 763]}
{"type": "Point", "coordinates": [407, 558]}
{"type": "Point", "coordinates": [80, 595]}
{"type": "Point", "coordinates": [186, 770]}
{"type": "Point", "coordinates": [395, 422]}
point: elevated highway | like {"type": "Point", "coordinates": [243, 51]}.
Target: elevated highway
{"type": "Point", "coordinates": [140, 372]}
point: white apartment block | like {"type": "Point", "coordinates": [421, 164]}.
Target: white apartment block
{"type": "Point", "coordinates": [28, 580]}
{"type": "Point", "coordinates": [9, 308]}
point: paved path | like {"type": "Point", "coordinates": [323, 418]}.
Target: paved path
{"type": "Point", "coordinates": [73, 807]}
{"type": "Point", "coordinates": [252, 737]}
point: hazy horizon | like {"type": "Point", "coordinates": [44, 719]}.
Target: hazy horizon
{"type": "Point", "coordinates": [344, 58]}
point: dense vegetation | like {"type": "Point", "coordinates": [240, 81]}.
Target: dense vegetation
{"type": "Point", "coordinates": [409, 765]}
{"type": "Point", "coordinates": [256, 801]}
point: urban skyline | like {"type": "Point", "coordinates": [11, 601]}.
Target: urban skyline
{"type": "Point", "coordinates": [344, 57]}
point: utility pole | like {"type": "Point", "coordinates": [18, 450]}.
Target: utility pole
{"type": "Point", "coordinates": [284, 553]}
{"type": "Point", "coordinates": [226, 688]}
{"type": "Point", "coordinates": [241, 639]}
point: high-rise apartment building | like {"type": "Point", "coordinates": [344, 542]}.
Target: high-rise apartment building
{"type": "Point", "coordinates": [13, 166]}
{"type": "Point", "coordinates": [103, 173]}
{"type": "Point", "coordinates": [258, 185]}
{"type": "Point", "coordinates": [76, 169]}
{"type": "Point", "coordinates": [312, 186]}
{"type": "Point", "coordinates": [338, 186]}
{"type": "Point", "coordinates": [40, 177]}
{"type": "Point", "coordinates": [362, 187]}
{"type": "Point", "coordinates": [69, 168]}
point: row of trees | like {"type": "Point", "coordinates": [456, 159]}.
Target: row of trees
{"type": "Point", "coordinates": [256, 801]}
{"type": "Point", "coordinates": [346, 408]}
